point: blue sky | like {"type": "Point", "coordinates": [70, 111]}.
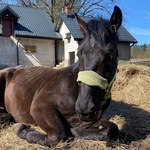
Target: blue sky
{"type": "Point", "coordinates": [136, 18]}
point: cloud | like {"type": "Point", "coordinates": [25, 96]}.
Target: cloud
{"type": "Point", "coordinates": [140, 31]}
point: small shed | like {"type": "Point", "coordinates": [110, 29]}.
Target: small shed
{"type": "Point", "coordinates": [27, 37]}
{"type": "Point", "coordinates": [70, 31]}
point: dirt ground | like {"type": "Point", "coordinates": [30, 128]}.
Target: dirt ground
{"type": "Point", "coordinates": [130, 110]}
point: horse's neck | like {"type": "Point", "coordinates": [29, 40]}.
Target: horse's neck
{"type": "Point", "coordinates": [74, 68]}
{"type": "Point", "coordinates": [73, 73]}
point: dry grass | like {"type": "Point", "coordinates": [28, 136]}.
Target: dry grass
{"type": "Point", "coordinates": [133, 85]}
{"type": "Point", "coordinates": [130, 110]}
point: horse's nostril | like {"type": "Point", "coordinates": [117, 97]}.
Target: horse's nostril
{"type": "Point", "coordinates": [89, 114]}
{"type": "Point", "coordinates": [93, 109]}
{"type": "Point", "coordinates": [85, 114]}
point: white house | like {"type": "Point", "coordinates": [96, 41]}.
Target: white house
{"type": "Point", "coordinates": [70, 31]}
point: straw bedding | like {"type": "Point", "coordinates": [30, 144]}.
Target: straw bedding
{"type": "Point", "coordinates": [130, 110]}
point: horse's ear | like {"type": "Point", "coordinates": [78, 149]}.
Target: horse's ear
{"type": "Point", "coordinates": [116, 18]}
{"type": "Point", "coordinates": [81, 23]}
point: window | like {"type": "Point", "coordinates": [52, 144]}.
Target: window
{"type": "Point", "coordinates": [30, 48]}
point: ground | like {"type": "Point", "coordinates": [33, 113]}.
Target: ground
{"type": "Point", "coordinates": [130, 110]}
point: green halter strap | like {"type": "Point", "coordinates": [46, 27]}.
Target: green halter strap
{"type": "Point", "coordinates": [91, 78]}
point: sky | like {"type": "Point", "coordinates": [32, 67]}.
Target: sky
{"type": "Point", "coordinates": [136, 18]}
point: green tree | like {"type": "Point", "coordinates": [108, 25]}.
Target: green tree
{"type": "Point", "coordinates": [140, 51]}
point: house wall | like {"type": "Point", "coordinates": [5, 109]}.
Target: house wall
{"type": "Point", "coordinates": [70, 45]}
{"type": "Point", "coordinates": [7, 52]}
{"type": "Point", "coordinates": [44, 55]}
{"type": "Point", "coordinates": [124, 51]}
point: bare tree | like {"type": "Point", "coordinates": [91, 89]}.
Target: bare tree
{"type": "Point", "coordinates": [52, 7]}
{"type": "Point", "coordinates": [83, 7]}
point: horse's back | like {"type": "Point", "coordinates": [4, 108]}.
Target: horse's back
{"type": "Point", "coordinates": [23, 85]}
{"type": "Point", "coordinates": [30, 90]}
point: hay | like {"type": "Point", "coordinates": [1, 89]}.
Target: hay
{"type": "Point", "coordinates": [129, 110]}
{"type": "Point", "coordinates": [9, 141]}
{"type": "Point", "coordinates": [132, 85]}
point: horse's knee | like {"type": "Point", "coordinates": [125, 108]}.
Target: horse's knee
{"type": "Point", "coordinates": [32, 136]}
{"type": "Point", "coordinates": [56, 128]}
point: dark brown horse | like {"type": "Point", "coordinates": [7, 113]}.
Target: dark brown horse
{"type": "Point", "coordinates": [55, 101]}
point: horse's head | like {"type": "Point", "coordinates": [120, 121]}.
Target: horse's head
{"type": "Point", "coordinates": [98, 57]}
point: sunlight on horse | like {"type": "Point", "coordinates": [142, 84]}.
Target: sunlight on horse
{"type": "Point", "coordinates": [67, 102]}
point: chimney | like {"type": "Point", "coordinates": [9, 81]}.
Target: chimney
{"type": "Point", "coordinates": [67, 11]}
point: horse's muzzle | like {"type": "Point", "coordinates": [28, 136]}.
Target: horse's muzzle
{"type": "Point", "coordinates": [85, 105]}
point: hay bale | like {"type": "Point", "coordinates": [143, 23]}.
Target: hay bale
{"type": "Point", "coordinates": [132, 85]}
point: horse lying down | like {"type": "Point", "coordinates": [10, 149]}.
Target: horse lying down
{"type": "Point", "coordinates": [67, 102]}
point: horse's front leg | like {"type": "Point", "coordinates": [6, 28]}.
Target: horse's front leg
{"type": "Point", "coordinates": [108, 131]}
{"type": "Point", "coordinates": [50, 120]}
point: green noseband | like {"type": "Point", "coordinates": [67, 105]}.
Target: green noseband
{"type": "Point", "coordinates": [91, 78]}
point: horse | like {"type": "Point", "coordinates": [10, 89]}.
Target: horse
{"type": "Point", "coordinates": [67, 102]}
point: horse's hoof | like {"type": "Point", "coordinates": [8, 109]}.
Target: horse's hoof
{"type": "Point", "coordinates": [18, 127]}
{"type": "Point", "coordinates": [113, 132]}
